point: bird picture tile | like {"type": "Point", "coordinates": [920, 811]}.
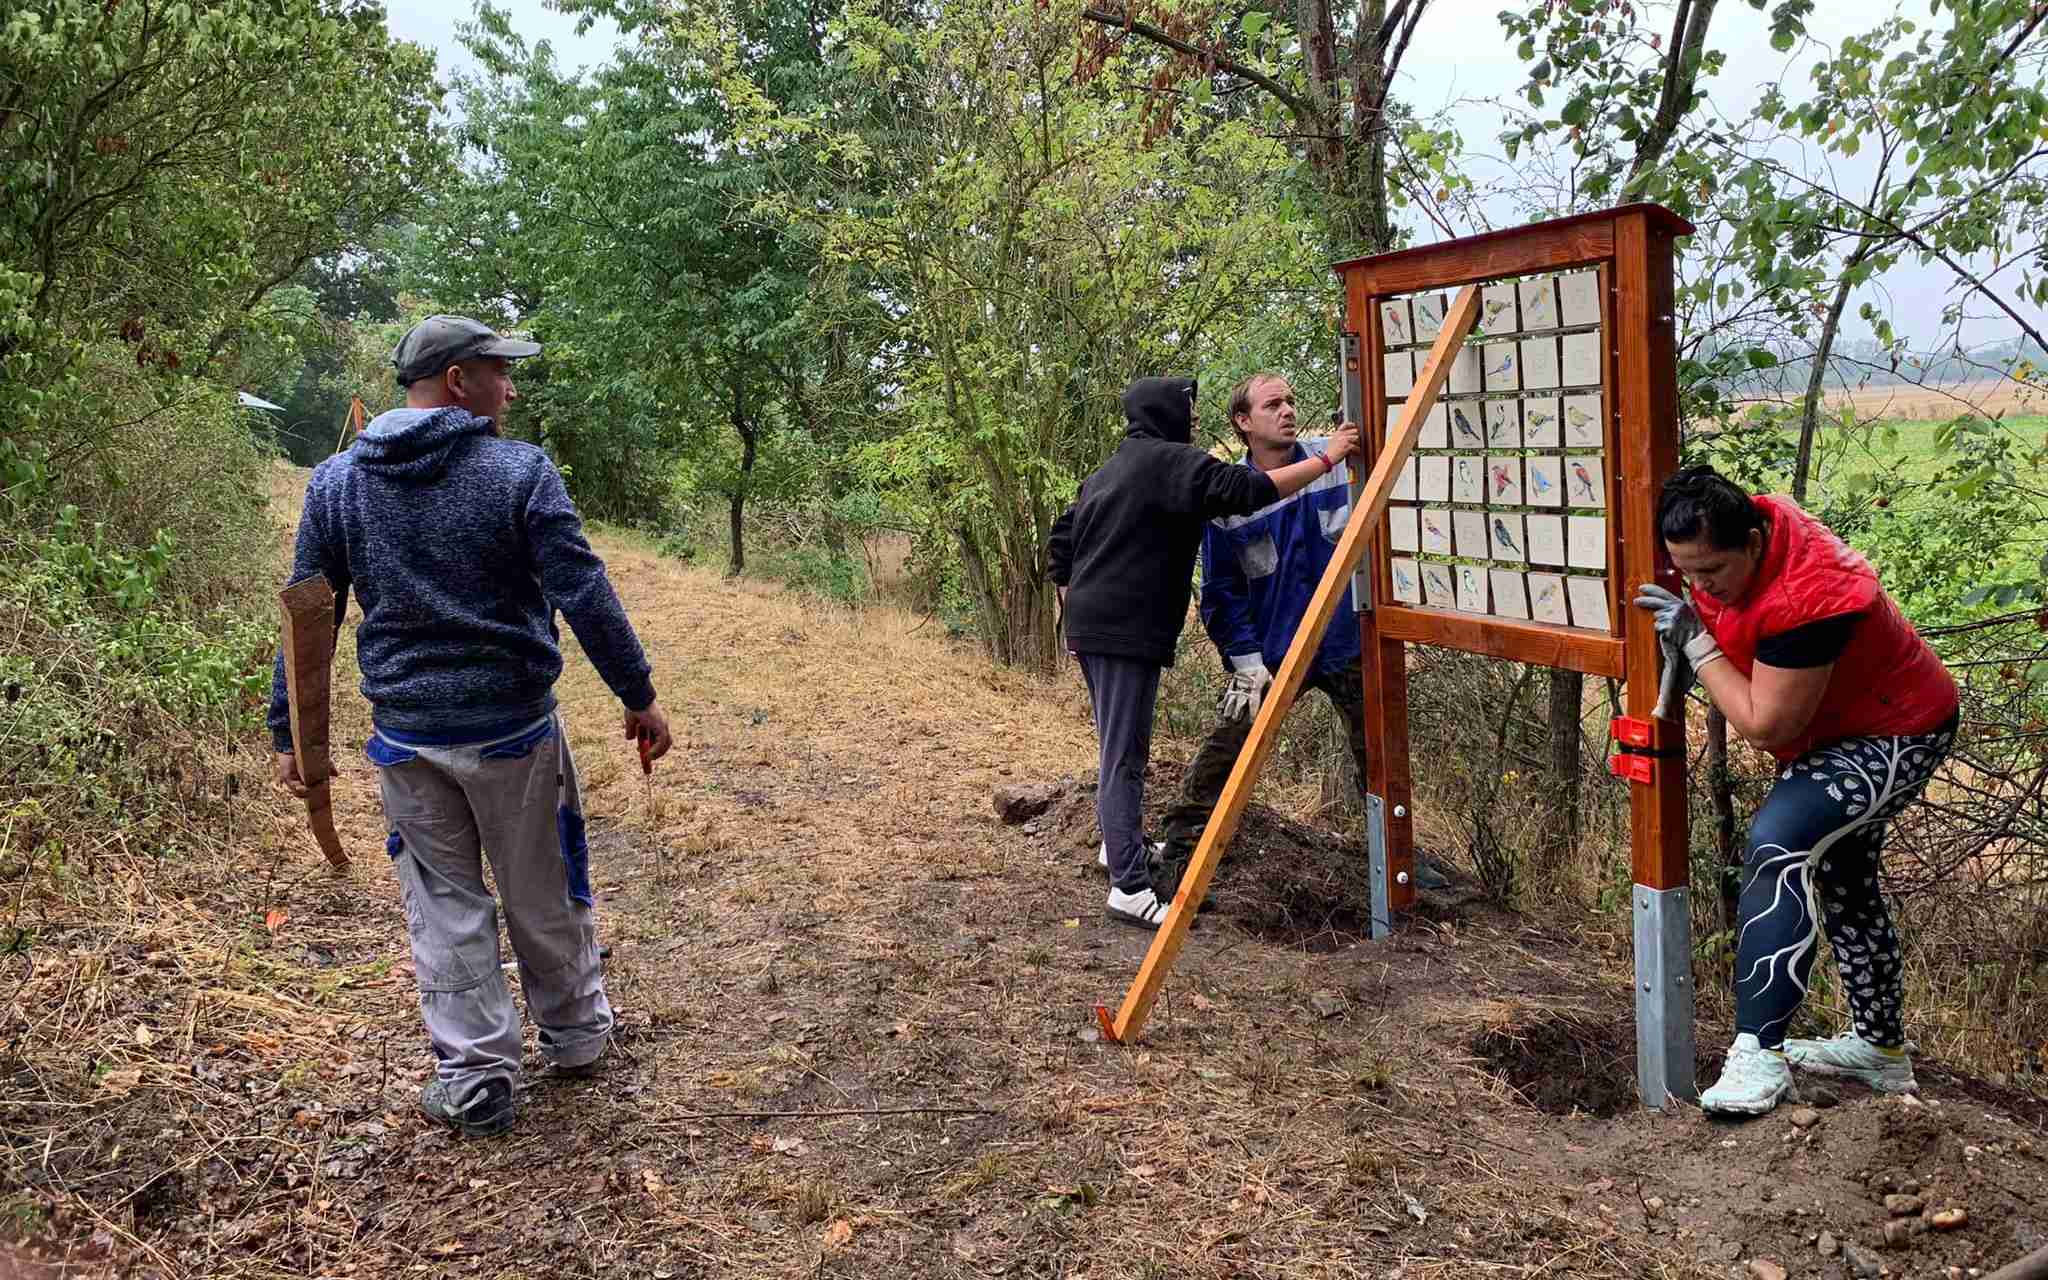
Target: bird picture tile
{"type": "Point", "coordinates": [1539, 363]}
{"type": "Point", "coordinates": [1428, 312]}
{"type": "Point", "coordinates": [1546, 599]}
{"type": "Point", "coordinates": [1400, 372]}
{"type": "Point", "coordinates": [1468, 478]}
{"type": "Point", "coordinates": [1502, 362]}
{"type": "Point", "coordinates": [1467, 425]}
{"type": "Point", "coordinates": [1504, 424]}
{"type": "Point", "coordinates": [1395, 325]}
{"type": "Point", "coordinates": [1404, 529]}
{"type": "Point", "coordinates": [1436, 531]}
{"type": "Point", "coordinates": [1539, 422]}
{"type": "Point", "coordinates": [1584, 483]}
{"type": "Point", "coordinates": [1588, 598]}
{"type": "Point", "coordinates": [1585, 542]}
{"type": "Point", "coordinates": [1437, 589]}
{"type": "Point", "coordinates": [1404, 483]}
{"type": "Point", "coordinates": [1579, 297]}
{"type": "Point", "coordinates": [1582, 422]}
{"type": "Point", "coordinates": [1465, 376]}
{"type": "Point", "coordinates": [1497, 309]}
{"type": "Point", "coordinates": [1545, 486]}
{"type": "Point", "coordinates": [1539, 302]}
{"type": "Point", "coordinates": [1581, 360]}
{"type": "Point", "coordinates": [1504, 481]}
{"type": "Point", "coordinates": [1407, 574]}
{"type": "Point", "coordinates": [1471, 589]}
{"type": "Point", "coordinates": [1433, 478]}
{"type": "Point", "coordinates": [1470, 527]}
{"type": "Point", "coordinates": [1510, 594]}
{"type": "Point", "coordinates": [1508, 544]}
{"type": "Point", "coordinates": [1436, 428]}
{"type": "Point", "coordinates": [1546, 539]}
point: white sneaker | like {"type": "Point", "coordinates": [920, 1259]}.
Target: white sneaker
{"type": "Point", "coordinates": [1848, 1054]}
{"type": "Point", "coordinates": [1153, 849]}
{"type": "Point", "coordinates": [1143, 908]}
{"type": "Point", "coordinates": [1752, 1082]}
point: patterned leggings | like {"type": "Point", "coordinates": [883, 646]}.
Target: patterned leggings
{"type": "Point", "coordinates": [1814, 844]}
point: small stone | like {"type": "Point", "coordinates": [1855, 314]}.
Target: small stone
{"type": "Point", "coordinates": [1861, 1262]}
{"type": "Point", "coordinates": [1971, 1153]}
{"type": "Point", "coordinates": [1326, 1004]}
{"type": "Point", "coordinates": [1828, 1245]}
{"type": "Point", "coordinates": [1805, 1118]}
{"type": "Point", "coordinates": [1949, 1219]}
{"type": "Point", "coordinates": [1910, 1100]}
{"type": "Point", "coordinates": [1653, 1206]}
{"type": "Point", "coordinates": [1730, 1250]}
{"type": "Point", "coordinates": [1911, 1186]}
{"type": "Point", "coordinates": [1902, 1206]}
{"type": "Point", "coordinates": [1765, 1269]}
{"type": "Point", "coordinates": [1955, 1273]}
{"type": "Point", "coordinates": [1024, 801]}
{"type": "Point", "coordinates": [1900, 1230]}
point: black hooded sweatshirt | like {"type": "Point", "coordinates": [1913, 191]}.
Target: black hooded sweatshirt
{"type": "Point", "coordinates": [1126, 549]}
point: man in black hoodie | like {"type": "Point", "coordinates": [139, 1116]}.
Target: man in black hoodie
{"type": "Point", "coordinates": [1123, 557]}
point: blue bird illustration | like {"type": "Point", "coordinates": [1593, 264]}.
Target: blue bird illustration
{"type": "Point", "coordinates": [1507, 364]}
{"type": "Point", "coordinates": [1541, 479]}
{"type": "Point", "coordinates": [1463, 423]}
{"type": "Point", "coordinates": [1503, 537]}
{"type": "Point", "coordinates": [1404, 582]}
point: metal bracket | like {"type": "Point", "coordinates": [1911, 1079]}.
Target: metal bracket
{"type": "Point", "coordinates": [1376, 863]}
{"type": "Point", "coordinates": [1635, 758]}
{"type": "Point", "coordinates": [1664, 996]}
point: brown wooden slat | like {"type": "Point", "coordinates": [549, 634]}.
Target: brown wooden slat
{"type": "Point", "coordinates": [308, 638]}
{"type": "Point", "coordinates": [1539, 642]}
{"type": "Point", "coordinates": [1308, 637]}
{"type": "Point", "coordinates": [1655, 214]}
{"type": "Point", "coordinates": [1383, 663]}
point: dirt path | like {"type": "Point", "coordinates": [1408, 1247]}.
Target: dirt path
{"type": "Point", "coordinates": [812, 908]}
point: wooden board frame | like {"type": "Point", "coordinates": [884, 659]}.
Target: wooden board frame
{"type": "Point", "coordinates": [1632, 248]}
{"type": "Point", "coordinates": [308, 610]}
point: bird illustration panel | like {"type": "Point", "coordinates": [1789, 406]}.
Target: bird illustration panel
{"type": "Point", "coordinates": [1504, 481]}
{"type": "Point", "coordinates": [1465, 374]}
{"type": "Point", "coordinates": [1436, 428]}
{"type": "Point", "coordinates": [1580, 363]}
{"type": "Point", "coordinates": [1428, 312]}
{"type": "Point", "coordinates": [1395, 323]}
{"type": "Point", "coordinates": [1400, 372]}
{"type": "Point", "coordinates": [1545, 481]}
{"type": "Point", "coordinates": [1579, 297]}
{"type": "Point", "coordinates": [1539, 302]}
{"type": "Point", "coordinates": [1473, 539]}
{"type": "Point", "coordinates": [1585, 485]}
{"type": "Point", "coordinates": [1497, 309]}
{"type": "Point", "coordinates": [1467, 425]}
{"type": "Point", "coordinates": [1433, 478]}
{"type": "Point", "coordinates": [1436, 531]}
{"type": "Point", "coordinates": [1585, 542]}
{"type": "Point", "coordinates": [1437, 588]}
{"type": "Point", "coordinates": [1503, 424]}
{"type": "Point", "coordinates": [1407, 574]}
{"type": "Point", "coordinates": [1471, 589]}
{"type": "Point", "coordinates": [1546, 539]}
{"type": "Point", "coordinates": [1404, 483]}
{"type": "Point", "coordinates": [1506, 528]}
{"type": "Point", "coordinates": [1468, 478]}
{"type": "Point", "coordinates": [1582, 422]}
{"type": "Point", "coordinates": [1510, 594]}
{"type": "Point", "coordinates": [1501, 361]}
{"type": "Point", "coordinates": [1546, 599]}
{"type": "Point", "coordinates": [1539, 422]}
{"type": "Point", "coordinates": [1404, 529]}
{"type": "Point", "coordinates": [1588, 597]}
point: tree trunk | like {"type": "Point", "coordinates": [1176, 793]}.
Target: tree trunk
{"type": "Point", "coordinates": [1809, 409]}
{"type": "Point", "coordinates": [749, 442]}
{"type": "Point", "coordinates": [1721, 789]}
{"type": "Point", "coordinates": [1567, 722]}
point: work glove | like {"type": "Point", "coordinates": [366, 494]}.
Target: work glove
{"type": "Point", "coordinates": [1679, 632]}
{"type": "Point", "coordinates": [1244, 693]}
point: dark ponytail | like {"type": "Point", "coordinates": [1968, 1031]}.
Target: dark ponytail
{"type": "Point", "coordinates": [1699, 502]}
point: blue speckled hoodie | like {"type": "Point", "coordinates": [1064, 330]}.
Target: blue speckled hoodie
{"type": "Point", "coordinates": [460, 546]}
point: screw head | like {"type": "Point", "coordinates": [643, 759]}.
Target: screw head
{"type": "Point", "coordinates": [1401, 878]}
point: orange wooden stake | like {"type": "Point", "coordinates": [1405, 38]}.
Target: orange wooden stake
{"type": "Point", "coordinates": [308, 607]}
{"type": "Point", "coordinates": [1366, 514]}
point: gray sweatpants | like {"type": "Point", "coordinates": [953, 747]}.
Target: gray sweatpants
{"type": "Point", "coordinates": [514, 800]}
{"type": "Point", "coordinates": [1122, 691]}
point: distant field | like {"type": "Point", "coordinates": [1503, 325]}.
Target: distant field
{"type": "Point", "coordinates": [2001, 398]}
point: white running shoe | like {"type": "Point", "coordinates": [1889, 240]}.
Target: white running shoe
{"type": "Point", "coordinates": [1848, 1054]}
{"type": "Point", "coordinates": [1153, 848]}
{"type": "Point", "coordinates": [1143, 908]}
{"type": "Point", "coordinates": [1752, 1082]}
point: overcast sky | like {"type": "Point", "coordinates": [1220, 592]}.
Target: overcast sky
{"type": "Point", "coordinates": [1461, 63]}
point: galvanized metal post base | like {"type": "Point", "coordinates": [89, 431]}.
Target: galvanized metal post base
{"type": "Point", "coordinates": [1664, 996]}
{"type": "Point", "coordinates": [1376, 860]}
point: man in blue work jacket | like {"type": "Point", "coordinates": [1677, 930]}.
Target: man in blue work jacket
{"type": "Point", "coordinates": [1259, 572]}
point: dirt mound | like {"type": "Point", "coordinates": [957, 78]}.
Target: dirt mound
{"type": "Point", "coordinates": [1564, 1064]}
{"type": "Point", "coordinates": [1283, 881]}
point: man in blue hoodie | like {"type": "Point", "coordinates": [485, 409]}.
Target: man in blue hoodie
{"type": "Point", "coordinates": [460, 547]}
{"type": "Point", "coordinates": [1259, 572]}
{"type": "Point", "coordinates": [1123, 557]}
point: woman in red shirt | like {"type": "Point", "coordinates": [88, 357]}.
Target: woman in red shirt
{"type": "Point", "coordinates": [1806, 655]}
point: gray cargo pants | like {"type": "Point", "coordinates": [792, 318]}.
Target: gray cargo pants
{"type": "Point", "coordinates": [514, 800]}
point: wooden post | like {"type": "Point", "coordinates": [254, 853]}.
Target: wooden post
{"type": "Point", "coordinates": [308, 606]}
{"type": "Point", "coordinates": [351, 423]}
{"type": "Point", "coordinates": [1366, 515]}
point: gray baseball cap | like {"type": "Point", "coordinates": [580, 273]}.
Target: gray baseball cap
{"type": "Point", "coordinates": [439, 341]}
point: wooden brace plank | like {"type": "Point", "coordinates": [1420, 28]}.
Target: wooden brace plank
{"type": "Point", "coordinates": [308, 614]}
{"type": "Point", "coordinates": [1366, 514]}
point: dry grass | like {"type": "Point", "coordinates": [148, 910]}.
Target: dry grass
{"type": "Point", "coordinates": [856, 1031]}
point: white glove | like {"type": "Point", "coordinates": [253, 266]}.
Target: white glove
{"type": "Point", "coordinates": [1701, 649]}
{"type": "Point", "coordinates": [1246, 690]}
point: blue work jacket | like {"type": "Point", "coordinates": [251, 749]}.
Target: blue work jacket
{"type": "Point", "coordinates": [1260, 571]}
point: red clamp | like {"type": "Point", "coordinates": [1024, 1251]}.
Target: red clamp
{"type": "Point", "coordinates": [1637, 759]}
